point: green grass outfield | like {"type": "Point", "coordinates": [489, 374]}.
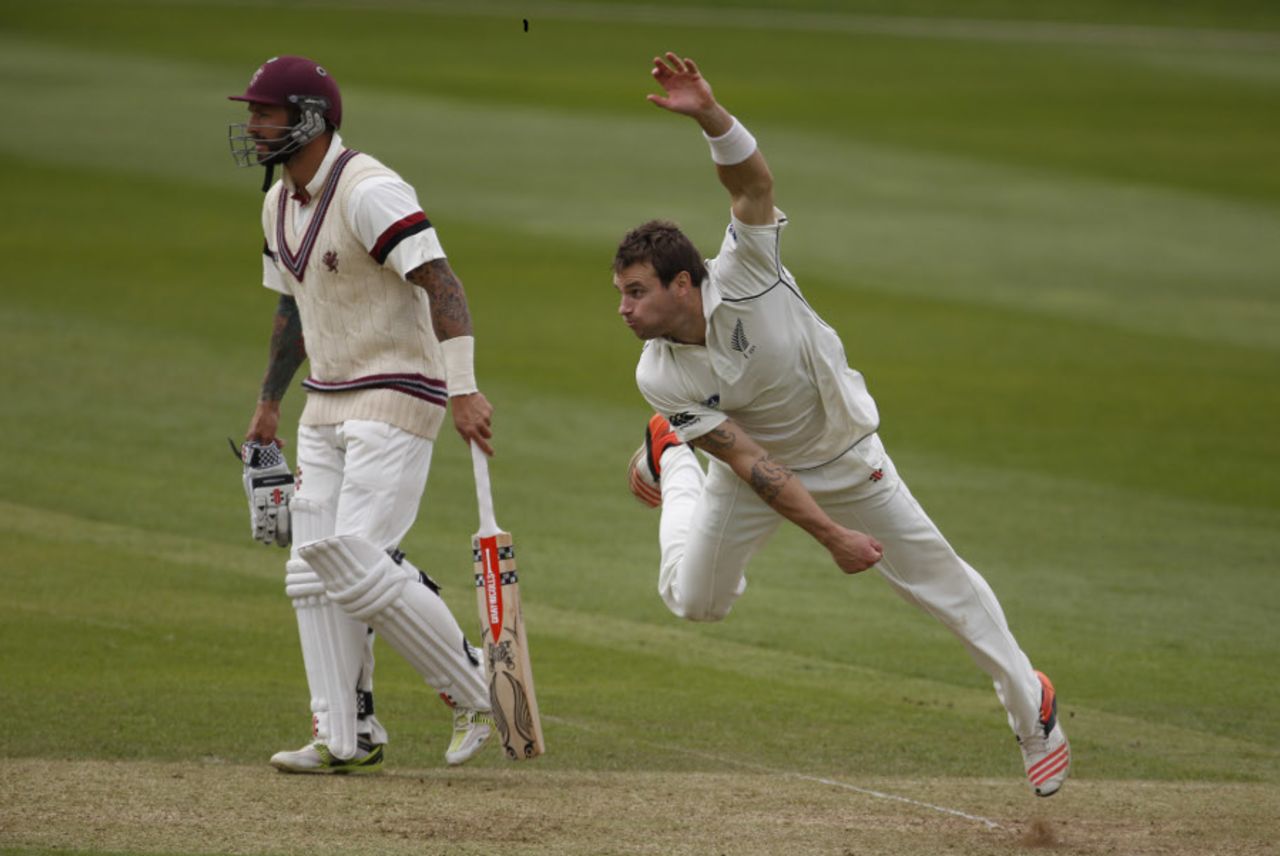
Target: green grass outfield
{"type": "Point", "coordinates": [1048, 236]}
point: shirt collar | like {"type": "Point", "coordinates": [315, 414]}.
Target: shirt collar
{"type": "Point", "coordinates": [322, 174]}
{"type": "Point", "coordinates": [710, 297]}
{"type": "Point", "coordinates": [710, 300]}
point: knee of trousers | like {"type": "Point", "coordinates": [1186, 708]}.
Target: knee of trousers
{"type": "Point", "coordinates": [333, 647]}
{"type": "Point", "coordinates": [695, 598]}
{"type": "Point", "coordinates": [703, 611]}
{"type": "Point", "coordinates": [703, 614]}
{"type": "Point", "coordinates": [357, 575]}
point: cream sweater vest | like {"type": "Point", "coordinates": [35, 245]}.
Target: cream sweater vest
{"type": "Point", "coordinates": [369, 339]}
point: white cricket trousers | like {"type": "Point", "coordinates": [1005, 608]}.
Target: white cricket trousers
{"type": "Point", "coordinates": [365, 478]}
{"type": "Point", "coordinates": [713, 523]}
{"type": "Point", "coordinates": [370, 474]}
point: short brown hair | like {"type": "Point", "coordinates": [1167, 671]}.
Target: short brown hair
{"type": "Point", "coordinates": [663, 245]}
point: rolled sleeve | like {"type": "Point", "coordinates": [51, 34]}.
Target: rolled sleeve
{"type": "Point", "coordinates": [671, 393]}
{"type": "Point", "coordinates": [689, 420]}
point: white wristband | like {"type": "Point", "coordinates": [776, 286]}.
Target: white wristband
{"type": "Point", "coordinates": [733, 146]}
{"type": "Point", "coordinates": [459, 364]}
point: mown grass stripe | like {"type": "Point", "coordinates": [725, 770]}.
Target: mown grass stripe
{"type": "Point", "coordinates": [1122, 256]}
{"type": "Point", "coordinates": [744, 17]}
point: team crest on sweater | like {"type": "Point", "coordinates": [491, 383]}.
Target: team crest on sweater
{"type": "Point", "coordinates": [330, 260]}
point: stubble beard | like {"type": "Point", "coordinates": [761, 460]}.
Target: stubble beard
{"type": "Point", "coordinates": [274, 154]}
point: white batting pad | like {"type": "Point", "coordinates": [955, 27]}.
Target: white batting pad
{"type": "Point", "coordinates": [311, 522]}
{"type": "Point", "coordinates": [332, 654]}
{"type": "Point", "coordinates": [333, 645]}
{"type": "Point", "coordinates": [390, 597]}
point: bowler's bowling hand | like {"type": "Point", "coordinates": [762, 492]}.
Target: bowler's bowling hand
{"type": "Point", "coordinates": [854, 551]}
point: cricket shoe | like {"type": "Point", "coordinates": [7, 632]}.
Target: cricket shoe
{"type": "Point", "coordinates": [471, 731]}
{"type": "Point", "coordinates": [315, 757]}
{"type": "Point", "coordinates": [645, 469]}
{"type": "Point", "coordinates": [1046, 754]}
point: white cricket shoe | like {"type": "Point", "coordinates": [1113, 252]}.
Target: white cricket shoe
{"type": "Point", "coordinates": [315, 757]}
{"type": "Point", "coordinates": [1046, 755]}
{"type": "Point", "coordinates": [471, 731]}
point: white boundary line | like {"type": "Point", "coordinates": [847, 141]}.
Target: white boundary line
{"type": "Point", "coordinates": [835, 783]}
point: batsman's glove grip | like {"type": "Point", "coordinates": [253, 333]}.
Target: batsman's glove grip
{"type": "Point", "coordinates": [268, 484]}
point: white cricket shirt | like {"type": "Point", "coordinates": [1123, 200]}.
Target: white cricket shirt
{"type": "Point", "coordinates": [770, 363]}
{"type": "Point", "coordinates": [377, 211]}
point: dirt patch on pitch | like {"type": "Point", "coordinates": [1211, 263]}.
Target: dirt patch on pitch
{"type": "Point", "coordinates": [220, 808]}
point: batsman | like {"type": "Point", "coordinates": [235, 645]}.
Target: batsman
{"type": "Point", "coordinates": [367, 296]}
{"type": "Point", "coordinates": [738, 365]}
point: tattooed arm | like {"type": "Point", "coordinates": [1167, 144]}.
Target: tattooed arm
{"type": "Point", "coordinates": [852, 551]}
{"type": "Point", "coordinates": [449, 314]}
{"type": "Point", "coordinates": [472, 414]}
{"type": "Point", "coordinates": [285, 354]}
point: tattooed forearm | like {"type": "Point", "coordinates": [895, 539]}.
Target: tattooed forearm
{"type": "Point", "coordinates": [716, 442]}
{"type": "Point", "coordinates": [286, 352]}
{"type": "Point", "coordinates": [449, 315]}
{"type": "Point", "coordinates": [768, 478]}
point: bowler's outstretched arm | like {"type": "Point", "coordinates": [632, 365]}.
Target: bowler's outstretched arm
{"type": "Point", "coordinates": [749, 182]}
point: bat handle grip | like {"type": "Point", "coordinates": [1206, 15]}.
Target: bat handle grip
{"type": "Point", "coordinates": [484, 494]}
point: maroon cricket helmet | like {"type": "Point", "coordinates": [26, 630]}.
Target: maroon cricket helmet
{"type": "Point", "coordinates": [294, 81]}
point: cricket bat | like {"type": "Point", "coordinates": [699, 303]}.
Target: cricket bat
{"type": "Point", "coordinates": [506, 651]}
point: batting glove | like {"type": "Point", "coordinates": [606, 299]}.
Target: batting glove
{"type": "Point", "coordinates": [268, 484]}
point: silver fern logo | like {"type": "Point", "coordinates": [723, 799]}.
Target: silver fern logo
{"type": "Point", "coordinates": [739, 341]}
